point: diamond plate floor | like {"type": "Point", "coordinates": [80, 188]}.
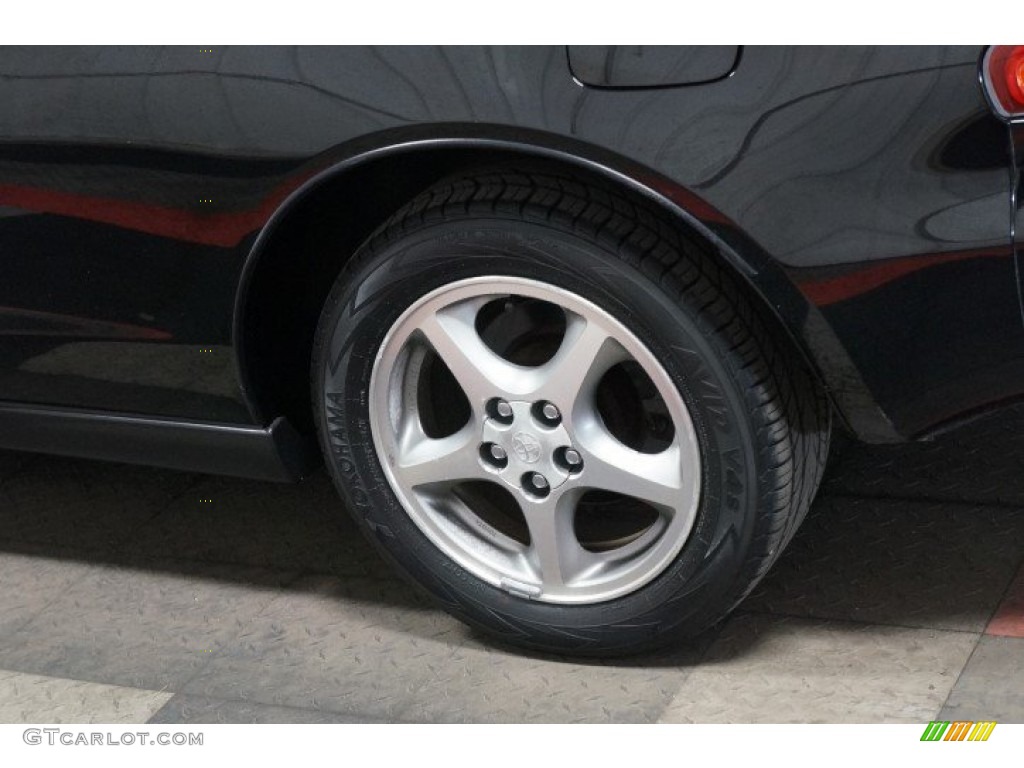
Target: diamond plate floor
{"type": "Point", "coordinates": [134, 594]}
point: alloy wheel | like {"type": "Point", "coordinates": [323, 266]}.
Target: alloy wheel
{"type": "Point", "coordinates": [535, 440]}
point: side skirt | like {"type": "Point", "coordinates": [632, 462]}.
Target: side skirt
{"type": "Point", "coordinates": [276, 452]}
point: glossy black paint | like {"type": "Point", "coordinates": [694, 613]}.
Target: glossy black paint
{"type": "Point", "coordinates": [1017, 203]}
{"type": "Point", "coordinates": [651, 66]}
{"type": "Point", "coordinates": [147, 197]}
{"type": "Point", "coordinates": [276, 453]}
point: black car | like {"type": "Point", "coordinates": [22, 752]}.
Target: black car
{"type": "Point", "coordinates": [570, 327]}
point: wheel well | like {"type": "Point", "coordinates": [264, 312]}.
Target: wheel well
{"type": "Point", "coordinates": [298, 262]}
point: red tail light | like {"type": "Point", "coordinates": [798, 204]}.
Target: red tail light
{"type": "Point", "coordinates": [1003, 73]}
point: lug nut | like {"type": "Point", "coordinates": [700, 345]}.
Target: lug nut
{"type": "Point", "coordinates": [536, 485]}
{"type": "Point", "coordinates": [569, 458]}
{"type": "Point", "coordinates": [546, 413]}
{"type": "Point", "coordinates": [494, 455]}
{"type": "Point", "coordinates": [501, 410]}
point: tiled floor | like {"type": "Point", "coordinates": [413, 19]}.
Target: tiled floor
{"type": "Point", "coordinates": [133, 594]}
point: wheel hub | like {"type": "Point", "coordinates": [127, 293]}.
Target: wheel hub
{"type": "Point", "coordinates": [530, 446]}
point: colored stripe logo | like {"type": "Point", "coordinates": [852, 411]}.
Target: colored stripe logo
{"type": "Point", "coordinates": [960, 730]}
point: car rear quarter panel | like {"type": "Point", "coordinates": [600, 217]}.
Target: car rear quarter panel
{"type": "Point", "coordinates": [134, 183]}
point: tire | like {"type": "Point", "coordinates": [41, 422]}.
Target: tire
{"type": "Point", "coordinates": [697, 453]}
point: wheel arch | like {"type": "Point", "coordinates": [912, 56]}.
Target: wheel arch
{"type": "Point", "coordinates": [310, 236]}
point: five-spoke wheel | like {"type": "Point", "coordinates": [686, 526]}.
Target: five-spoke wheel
{"type": "Point", "coordinates": [527, 486]}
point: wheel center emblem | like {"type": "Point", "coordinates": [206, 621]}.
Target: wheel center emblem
{"type": "Point", "coordinates": [526, 447]}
